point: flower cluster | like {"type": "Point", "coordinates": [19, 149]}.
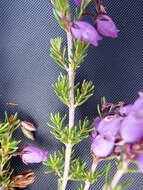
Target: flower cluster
{"type": "Point", "coordinates": [121, 126]}
{"type": "Point", "coordinates": [102, 22]}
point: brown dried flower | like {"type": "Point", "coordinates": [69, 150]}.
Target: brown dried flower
{"type": "Point", "coordinates": [23, 179]}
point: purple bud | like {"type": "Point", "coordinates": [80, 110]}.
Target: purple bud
{"type": "Point", "coordinates": [132, 129]}
{"type": "Point", "coordinates": [106, 26]}
{"type": "Point", "coordinates": [86, 32]}
{"type": "Point", "coordinates": [78, 2]}
{"type": "Point", "coordinates": [31, 155]}
{"type": "Point", "coordinates": [139, 159]}
{"type": "Point", "coordinates": [103, 145]}
{"type": "Point", "coordinates": [96, 121]}
{"type": "Point", "coordinates": [110, 123]}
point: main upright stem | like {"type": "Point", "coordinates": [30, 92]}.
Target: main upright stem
{"type": "Point", "coordinates": [71, 114]}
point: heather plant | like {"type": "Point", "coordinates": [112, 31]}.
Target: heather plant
{"type": "Point", "coordinates": [8, 147]}
{"type": "Point", "coordinates": [116, 133]}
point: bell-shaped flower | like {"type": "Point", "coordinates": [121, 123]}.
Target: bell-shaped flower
{"type": "Point", "coordinates": [106, 26]}
{"type": "Point", "coordinates": [85, 31]}
{"type": "Point", "coordinates": [111, 124]}
{"type": "Point", "coordinates": [31, 155]}
{"type": "Point", "coordinates": [132, 128]}
{"type": "Point", "coordinates": [102, 146]}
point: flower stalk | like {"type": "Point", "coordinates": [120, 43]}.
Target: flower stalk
{"type": "Point", "coordinates": [118, 175]}
{"type": "Point", "coordinates": [93, 168]}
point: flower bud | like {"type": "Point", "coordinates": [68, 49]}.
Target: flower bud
{"type": "Point", "coordinates": [106, 26]}
{"type": "Point", "coordinates": [86, 32]}
{"type": "Point", "coordinates": [31, 155]}
{"type": "Point", "coordinates": [27, 125]}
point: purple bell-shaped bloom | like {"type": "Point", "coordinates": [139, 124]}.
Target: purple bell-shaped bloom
{"type": "Point", "coordinates": [106, 26]}
{"type": "Point", "coordinates": [103, 145]}
{"type": "Point", "coordinates": [93, 133]}
{"type": "Point", "coordinates": [31, 155]}
{"type": "Point", "coordinates": [139, 160]}
{"type": "Point", "coordinates": [110, 123]}
{"type": "Point", "coordinates": [78, 2]}
{"type": "Point", "coordinates": [132, 128]}
{"type": "Point", "coordinates": [86, 32]}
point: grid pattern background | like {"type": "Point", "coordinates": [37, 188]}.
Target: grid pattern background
{"type": "Point", "coordinates": [27, 73]}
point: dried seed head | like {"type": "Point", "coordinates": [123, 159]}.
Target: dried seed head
{"type": "Point", "coordinates": [23, 179]}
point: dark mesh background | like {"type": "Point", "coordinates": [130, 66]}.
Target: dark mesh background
{"type": "Point", "coordinates": [27, 73]}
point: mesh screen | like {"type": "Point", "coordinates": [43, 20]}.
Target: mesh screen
{"type": "Point", "coordinates": [27, 73]}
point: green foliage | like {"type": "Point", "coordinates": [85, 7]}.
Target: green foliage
{"type": "Point", "coordinates": [7, 147]}
{"type": "Point", "coordinates": [57, 53]}
{"type": "Point", "coordinates": [93, 177]}
{"type": "Point", "coordinates": [78, 53]}
{"type": "Point", "coordinates": [56, 163]}
{"type": "Point", "coordinates": [79, 133]}
{"type": "Point", "coordinates": [87, 90]}
{"type": "Point", "coordinates": [62, 88]}
{"type": "Point", "coordinates": [80, 187]}
{"type": "Point", "coordinates": [61, 12]}
{"type": "Point", "coordinates": [84, 4]}
{"type": "Point", "coordinates": [59, 128]}
{"type": "Point", "coordinates": [62, 133]}
{"type": "Point", "coordinates": [77, 170]}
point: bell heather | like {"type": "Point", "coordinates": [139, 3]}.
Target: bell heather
{"type": "Point", "coordinates": [31, 155]}
{"type": "Point", "coordinates": [106, 26]}
{"type": "Point", "coordinates": [86, 32]}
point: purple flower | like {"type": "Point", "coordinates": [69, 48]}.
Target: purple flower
{"type": "Point", "coordinates": [139, 160]}
{"type": "Point", "coordinates": [106, 26]}
{"type": "Point", "coordinates": [138, 105]}
{"type": "Point", "coordinates": [132, 128]}
{"type": "Point", "coordinates": [96, 121]}
{"type": "Point", "coordinates": [86, 32]}
{"type": "Point", "coordinates": [110, 123]}
{"type": "Point", "coordinates": [78, 2]}
{"type": "Point", "coordinates": [31, 155]}
{"type": "Point", "coordinates": [103, 145]}
{"type": "Point", "coordinates": [125, 109]}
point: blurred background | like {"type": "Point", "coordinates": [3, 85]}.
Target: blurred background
{"type": "Point", "coordinates": [27, 73]}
